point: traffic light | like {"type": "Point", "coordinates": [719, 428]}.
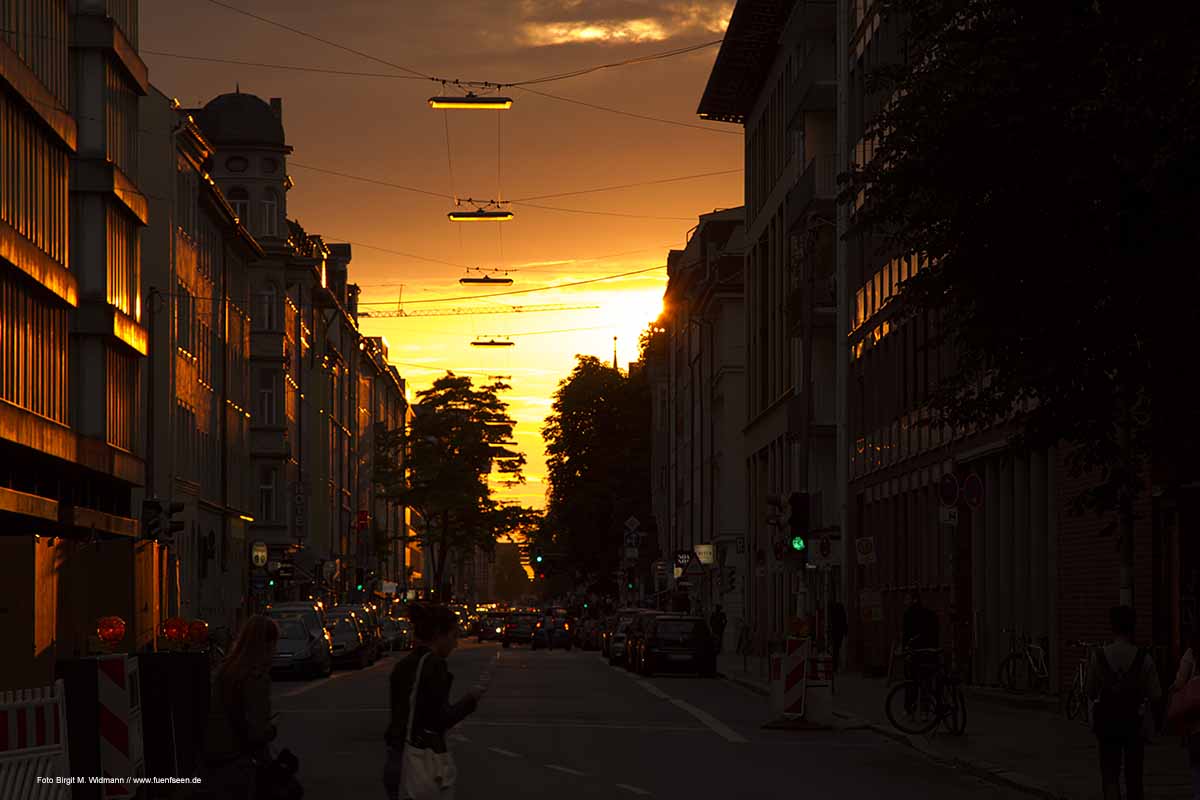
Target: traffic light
{"type": "Point", "coordinates": [538, 558]}
{"type": "Point", "coordinates": [152, 518]}
{"type": "Point", "coordinates": [170, 525]}
{"type": "Point", "coordinates": [360, 578]}
{"type": "Point", "coordinates": [797, 536]}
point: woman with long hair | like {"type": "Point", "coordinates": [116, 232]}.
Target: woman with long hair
{"type": "Point", "coordinates": [423, 675]}
{"type": "Point", "coordinates": [239, 720]}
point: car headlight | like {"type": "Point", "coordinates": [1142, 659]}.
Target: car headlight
{"type": "Point", "coordinates": [499, 630]}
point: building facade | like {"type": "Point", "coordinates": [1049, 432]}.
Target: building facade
{"type": "Point", "coordinates": [72, 339]}
{"type": "Point", "coordinates": [196, 284]}
{"type": "Point", "coordinates": [696, 365]}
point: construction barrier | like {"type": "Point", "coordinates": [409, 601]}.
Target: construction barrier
{"type": "Point", "coordinates": [787, 679]}
{"type": "Point", "coordinates": [118, 690]}
{"type": "Point", "coordinates": [818, 690]}
{"type": "Point", "coordinates": [33, 744]}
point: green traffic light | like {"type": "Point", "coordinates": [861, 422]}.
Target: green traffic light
{"type": "Point", "coordinates": [271, 582]}
{"type": "Point", "coordinates": [585, 605]}
{"type": "Point", "coordinates": [538, 559]}
{"type": "Point", "coordinates": [360, 587]}
{"type": "Point", "coordinates": [629, 586]}
{"type": "Point", "coordinates": [798, 543]}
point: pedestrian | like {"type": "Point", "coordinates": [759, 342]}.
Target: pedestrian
{"type": "Point", "coordinates": [920, 633]}
{"type": "Point", "coordinates": [239, 724]}
{"type": "Point", "coordinates": [717, 622]}
{"type": "Point", "coordinates": [1187, 673]}
{"type": "Point", "coordinates": [1123, 682]}
{"type": "Point", "coordinates": [837, 630]}
{"type": "Point", "coordinates": [423, 675]}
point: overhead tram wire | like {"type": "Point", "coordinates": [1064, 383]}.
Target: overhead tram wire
{"type": "Point", "coordinates": [604, 213]}
{"type": "Point", "coordinates": [562, 76]}
{"type": "Point", "coordinates": [527, 291]}
{"type": "Point", "coordinates": [612, 110]}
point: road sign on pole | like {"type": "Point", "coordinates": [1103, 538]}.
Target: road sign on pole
{"type": "Point", "coordinates": [632, 523]}
{"type": "Point", "coordinates": [258, 554]}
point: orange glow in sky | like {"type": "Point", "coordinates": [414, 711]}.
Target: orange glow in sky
{"type": "Point", "coordinates": [383, 129]}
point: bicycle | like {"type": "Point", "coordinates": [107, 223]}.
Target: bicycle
{"type": "Point", "coordinates": [1025, 664]}
{"type": "Point", "coordinates": [932, 696]}
{"type": "Point", "coordinates": [1076, 702]}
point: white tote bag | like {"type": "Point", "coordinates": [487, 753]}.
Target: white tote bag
{"type": "Point", "coordinates": [424, 774]}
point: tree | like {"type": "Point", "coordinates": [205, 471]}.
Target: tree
{"type": "Point", "coordinates": [598, 469]}
{"type": "Point", "coordinates": [1041, 159]}
{"type": "Point", "coordinates": [453, 445]}
{"type": "Point", "coordinates": [512, 583]}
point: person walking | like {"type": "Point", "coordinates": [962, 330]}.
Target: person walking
{"type": "Point", "coordinates": [1123, 682]}
{"type": "Point", "coordinates": [239, 725]}
{"type": "Point", "coordinates": [717, 622]}
{"type": "Point", "coordinates": [1187, 672]}
{"type": "Point", "coordinates": [423, 675]}
{"type": "Point", "coordinates": [838, 627]}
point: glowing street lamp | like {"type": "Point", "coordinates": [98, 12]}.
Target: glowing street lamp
{"type": "Point", "coordinates": [486, 280]}
{"type": "Point", "coordinates": [472, 101]}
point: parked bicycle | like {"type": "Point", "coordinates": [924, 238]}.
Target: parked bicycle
{"type": "Point", "coordinates": [1077, 702]}
{"type": "Point", "coordinates": [1024, 668]}
{"type": "Point", "coordinates": [930, 696]}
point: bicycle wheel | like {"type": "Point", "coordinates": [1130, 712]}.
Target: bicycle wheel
{"type": "Point", "coordinates": [1014, 673]}
{"type": "Point", "coordinates": [955, 710]}
{"type": "Point", "coordinates": [1074, 704]}
{"type": "Point", "coordinates": [921, 717]}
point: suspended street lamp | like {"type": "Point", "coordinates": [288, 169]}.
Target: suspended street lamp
{"type": "Point", "coordinates": [493, 343]}
{"type": "Point", "coordinates": [480, 215]}
{"type": "Point", "coordinates": [486, 280]}
{"type": "Point", "coordinates": [472, 101]}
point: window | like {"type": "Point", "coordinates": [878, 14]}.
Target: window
{"type": "Point", "coordinates": [268, 380]}
{"type": "Point", "coordinates": [268, 477]}
{"type": "Point", "coordinates": [184, 311]}
{"type": "Point", "coordinates": [270, 166]}
{"type": "Point", "coordinates": [270, 214]}
{"type": "Point", "coordinates": [237, 164]}
{"type": "Point", "coordinates": [265, 304]}
{"type": "Point", "coordinates": [240, 200]}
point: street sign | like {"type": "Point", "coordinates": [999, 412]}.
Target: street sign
{"type": "Point", "coordinates": [287, 570]}
{"type": "Point", "coordinates": [258, 554]}
{"type": "Point", "coordinates": [694, 569]}
{"type": "Point", "coordinates": [950, 516]}
{"type": "Point", "coordinates": [632, 523]}
{"type": "Point", "coordinates": [677, 571]}
{"type": "Point", "coordinates": [865, 548]}
{"type": "Point", "coordinates": [973, 490]}
{"type": "Point", "coordinates": [273, 566]}
{"type": "Point", "coordinates": [706, 553]}
{"type": "Point", "coordinates": [632, 539]}
{"type": "Point", "coordinates": [631, 553]}
{"type": "Point", "coordinates": [948, 490]}
{"type": "Point", "coordinates": [683, 558]}
{"type": "Point", "coordinates": [824, 554]}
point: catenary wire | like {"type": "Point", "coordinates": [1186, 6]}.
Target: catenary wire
{"type": "Point", "coordinates": [629, 113]}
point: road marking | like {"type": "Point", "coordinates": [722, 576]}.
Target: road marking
{"type": "Point", "coordinates": [652, 689]}
{"type": "Point", "coordinates": [586, 725]}
{"type": "Point", "coordinates": [458, 737]}
{"type": "Point", "coordinates": [633, 789]}
{"type": "Point", "coordinates": [567, 770]}
{"type": "Point", "coordinates": [718, 727]}
{"type": "Point", "coordinates": [504, 752]}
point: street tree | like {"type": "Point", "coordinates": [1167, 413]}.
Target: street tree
{"type": "Point", "coordinates": [453, 445]}
{"type": "Point", "coordinates": [598, 469]}
{"type": "Point", "coordinates": [1042, 160]}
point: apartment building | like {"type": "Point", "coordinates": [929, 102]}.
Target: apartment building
{"type": "Point", "coordinates": [696, 367]}
{"type": "Point", "coordinates": [72, 338]}
{"type": "Point", "coordinates": [196, 283]}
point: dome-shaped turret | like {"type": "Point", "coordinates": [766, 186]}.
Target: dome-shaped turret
{"type": "Point", "coordinates": [241, 119]}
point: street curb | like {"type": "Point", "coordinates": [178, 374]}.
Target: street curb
{"type": "Point", "coordinates": [745, 684]}
{"type": "Point", "coordinates": [980, 769]}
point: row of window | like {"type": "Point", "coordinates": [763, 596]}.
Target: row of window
{"type": "Point", "coordinates": [267, 223]}
{"type": "Point", "coordinates": [122, 399]}
{"type": "Point", "coordinates": [881, 287]}
{"type": "Point", "coordinates": [124, 263]}
{"type": "Point", "coordinates": [34, 173]}
{"type": "Point", "coordinates": [33, 349]}
{"type": "Point", "coordinates": [39, 32]}
{"type": "Point", "coordinates": [120, 120]}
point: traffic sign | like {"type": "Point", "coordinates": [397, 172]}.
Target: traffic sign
{"type": "Point", "coordinates": [632, 523]}
{"type": "Point", "coordinates": [973, 490]}
{"type": "Point", "coordinates": [694, 568]}
{"type": "Point", "coordinates": [950, 516]}
{"type": "Point", "coordinates": [865, 548]}
{"type": "Point", "coordinates": [948, 490]}
{"type": "Point", "coordinates": [631, 553]}
{"type": "Point", "coordinates": [632, 539]}
{"type": "Point", "coordinates": [258, 554]}
{"type": "Point", "coordinates": [706, 553]}
{"type": "Point", "coordinates": [683, 558]}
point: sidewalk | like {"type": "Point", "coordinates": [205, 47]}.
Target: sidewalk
{"type": "Point", "coordinates": [1037, 751]}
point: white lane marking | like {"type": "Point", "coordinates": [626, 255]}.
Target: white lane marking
{"type": "Point", "coordinates": [633, 789]}
{"type": "Point", "coordinates": [720, 728]}
{"type": "Point", "coordinates": [314, 684]}
{"type": "Point", "coordinates": [458, 737]}
{"type": "Point", "coordinates": [652, 689]}
{"type": "Point", "coordinates": [567, 770]}
{"type": "Point", "coordinates": [504, 752]}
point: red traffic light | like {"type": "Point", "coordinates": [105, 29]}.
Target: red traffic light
{"type": "Point", "coordinates": [110, 630]}
{"type": "Point", "coordinates": [175, 629]}
{"type": "Point", "coordinates": [197, 632]}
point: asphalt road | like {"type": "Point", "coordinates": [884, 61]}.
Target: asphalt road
{"type": "Point", "coordinates": [566, 725]}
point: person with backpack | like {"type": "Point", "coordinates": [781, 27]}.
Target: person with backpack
{"type": "Point", "coordinates": [1123, 683]}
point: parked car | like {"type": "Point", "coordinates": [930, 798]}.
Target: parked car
{"type": "Point", "coordinates": [518, 629]}
{"type": "Point", "coordinates": [312, 612]}
{"type": "Point", "coordinates": [551, 632]}
{"type": "Point", "coordinates": [492, 627]}
{"type": "Point", "coordinates": [350, 645]}
{"type": "Point", "coordinates": [623, 615]}
{"type": "Point", "coordinates": [635, 636]}
{"type": "Point", "coordinates": [397, 634]}
{"type": "Point", "coordinates": [676, 641]}
{"type": "Point", "coordinates": [369, 625]}
{"type": "Point", "coordinates": [302, 649]}
{"type": "Point", "coordinates": [616, 644]}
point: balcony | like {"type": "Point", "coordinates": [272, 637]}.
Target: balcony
{"type": "Point", "coordinates": [817, 185]}
{"type": "Point", "coordinates": [815, 86]}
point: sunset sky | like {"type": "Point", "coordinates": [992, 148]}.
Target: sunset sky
{"type": "Point", "coordinates": [381, 128]}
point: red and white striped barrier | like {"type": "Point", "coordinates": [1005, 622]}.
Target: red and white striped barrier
{"type": "Point", "coordinates": [118, 693]}
{"type": "Point", "coordinates": [787, 679]}
{"type": "Point", "coordinates": [33, 744]}
{"type": "Point", "coordinates": [818, 690]}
